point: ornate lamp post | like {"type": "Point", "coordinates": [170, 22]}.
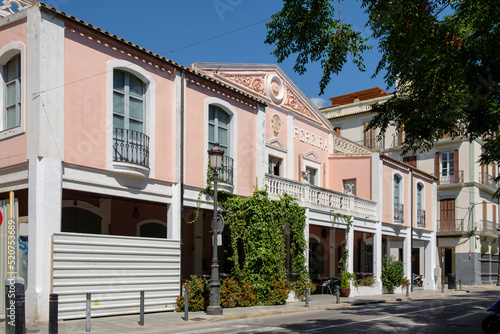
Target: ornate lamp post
{"type": "Point", "coordinates": [215, 156]}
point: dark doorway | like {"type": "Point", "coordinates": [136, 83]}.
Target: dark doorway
{"type": "Point", "coordinates": [447, 263]}
{"type": "Point", "coordinates": [80, 221]}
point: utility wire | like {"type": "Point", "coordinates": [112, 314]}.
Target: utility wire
{"type": "Point", "coordinates": [161, 54]}
{"type": "Point", "coordinates": [217, 36]}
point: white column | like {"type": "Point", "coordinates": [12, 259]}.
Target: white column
{"type": "Point", "coordinates": [350, 248]}
{"type": "Point", "coordinates": [377, 254]}
{"type": "Point", "coordinates": [261, 146]}
{"type": "Point", "coordinates": [44, 211]}
{"type": "Point", "coordinates": [306, 236]}
{"type": "Point", "coordinates": [291, 153]}
{"type": "Point", "coordinates": [45, 151]}
{"type": "Point", "coordinates": [174, 209]}
{"type": "Point", "coordinates": [407, 254]}
{"type": "Point", "coordinates": [430, 263]}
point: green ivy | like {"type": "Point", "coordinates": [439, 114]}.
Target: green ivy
{"type": "Point", "coordinates": [345, 276]}
{"type": "Point", "coordinates": [257, 225]}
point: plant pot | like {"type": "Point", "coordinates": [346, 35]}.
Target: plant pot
{"type": "Point", "coordinates": [345, 292]}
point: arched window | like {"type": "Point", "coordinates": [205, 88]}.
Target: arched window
{"type": "Point", "coordinates": [420, 205]}
{"type": "Point", "coordinates": [218, 128]}
{"type": "Point", "coordinates": [397, 199]}
{"type": "Point", "coordinates": [219, 132]}
{"type": "Point", "coordinates": [130, 144]}
{"type": "Point", "coordinates": [79, 220]}
{"type": "Point", "coordinates": [153, 230]}
{"type": "Point", "coordinates": [12, 93]}
{"type": "Point", "coordinates": [128, 101]}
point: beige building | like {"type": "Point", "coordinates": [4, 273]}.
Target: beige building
{"type": "Point", "coordinates": [467, 213]}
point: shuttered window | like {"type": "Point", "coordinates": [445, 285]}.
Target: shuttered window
{"type": "Point", "coordinates": [411, 160]}
{"type": "Point", "coordinates": [447, 215]}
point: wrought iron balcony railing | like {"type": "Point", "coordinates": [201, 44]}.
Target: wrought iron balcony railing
{"type": "Point", "coordinates": [226, 172]}
{"type": "Point", "coordinates": [452, 225]}
{"type": "Point", "coordinates": [399, 212]}
{"type": "Point", "coordinates": [398, 139]}
{"type": "Point", "coordinates": [329, 199]}
{"type": "Point", "coordinates": [487, 226]}
{"type": "Point", "coordinates": [131, 147]}
{"type": "Point", "coordinates": [420, 218]}
{"type": "Point", "coordinates": [487, 179]}
{"type": "Point", "coordinates": [451, 178]}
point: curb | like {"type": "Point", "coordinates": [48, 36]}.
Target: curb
{"type": "Point", "coordinates": [329, 306]}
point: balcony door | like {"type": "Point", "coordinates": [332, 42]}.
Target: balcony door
{"type": "Point", "coordinates": [448, 167]}
{"type": "Point", "coordinates": [128, 118]}
{"type": "Point", "coordinates": [447, 215]}
{"type": "Point", "coordinates": [218, 132]}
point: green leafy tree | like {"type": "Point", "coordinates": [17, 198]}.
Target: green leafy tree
{"type": "Point", "coordinates": [446, 67]}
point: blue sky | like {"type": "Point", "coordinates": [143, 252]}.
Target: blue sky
{"type": "Point", "coordinates": [186, 31]}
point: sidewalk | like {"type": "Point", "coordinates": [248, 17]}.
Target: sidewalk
{"type": "Point", "coordinates": [130, 323]}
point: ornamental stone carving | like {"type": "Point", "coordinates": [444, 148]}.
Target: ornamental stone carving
{"type": "Point", "coordinates": [293, 102]}
{"type": "Point", "coordinates": [340, 145]}
{"type": "Point", "coordinates": [275, 88]}
{"type": "Point", "coordinates": [253, 82]}
{"type": "Point", "coordinates": [10, 7]}
{"type": "Point", "coordinates": [276, 124]}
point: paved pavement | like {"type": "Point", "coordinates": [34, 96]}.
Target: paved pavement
{"type": "Point", "coordinates": [156, 321]}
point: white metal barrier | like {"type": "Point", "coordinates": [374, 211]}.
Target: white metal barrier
{"type": "Point", "coordinates": [114, 269]}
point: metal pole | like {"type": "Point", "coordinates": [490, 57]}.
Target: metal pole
{"type": "Point", "coordinates": [407, 290]}
{"type": "Point", "coordinates": [456, 286]}
{"type": "Point", "coordinates": [20, 315]}
{"type": "Point", "coordinates": [214, 308]}
{"type": "Point", "coordinates": [87, 315]}
{"type": "Point", "coordinates": [10, 306]}
{"type": "Point", "coordinates": [337, 294]}
{"type": "Point", "coordinates": [460, 283]}
{"type": "Point", "coordinates": [141, 316]}
{"type": "Point", "coordinates": [442, 271]}
{"type": "Point", "coordinates": [307, 297]}
{"type": "Point", "coordinates": [53, 313]}
{"type": "Point", "coordinates": [186, 304]}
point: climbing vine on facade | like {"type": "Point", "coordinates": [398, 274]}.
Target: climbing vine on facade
{"type": "Point", "coordinates": [259, 229]}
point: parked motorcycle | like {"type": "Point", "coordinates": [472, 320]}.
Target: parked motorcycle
{"type": "Point", "coordinates": [417, 280]}
{"type": "Point", "coordinates": [491, 324]}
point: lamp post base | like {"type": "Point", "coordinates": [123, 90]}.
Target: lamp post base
{"type": "Point", "coordinates": [214, 310]}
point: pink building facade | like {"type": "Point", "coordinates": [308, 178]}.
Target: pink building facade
{"type": "Point", "coordinates": [104, 146]}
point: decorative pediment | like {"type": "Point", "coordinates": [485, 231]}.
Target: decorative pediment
{"type": "Point", "coordinates": [274, 88]}
{"type": "Point", "coordinates": [342, 145]}
{"type": "Point", "coordinates": [294, 103]}
{"type": "Point", "coordinates": [253, 82]}
{"type": "Point", "coordinates": [311, 156]}
{"type": "Point", "coordinates": [277, 145]}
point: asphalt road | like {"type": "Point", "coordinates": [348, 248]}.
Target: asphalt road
{"type": "Point", "coordinates": [455, 314]}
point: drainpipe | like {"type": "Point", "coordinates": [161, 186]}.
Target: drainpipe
{"type": "Point", "coordinates": [411, 228]}
{"type": "Point", "coordinates": [181, 179]}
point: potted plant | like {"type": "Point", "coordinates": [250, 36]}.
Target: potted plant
{"type": "Point", "coordinates": [392, 273]}
{"type": "Point", "coordinates": [345, 284]}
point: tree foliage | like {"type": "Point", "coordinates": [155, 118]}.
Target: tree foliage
{"type": "Point", "coordinates": [445, 67]}
{"type": "Point", "coordinates": [308, 28]}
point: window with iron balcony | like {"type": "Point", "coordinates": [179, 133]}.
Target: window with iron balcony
{"type": "Point", "coordinates": [130, 143]}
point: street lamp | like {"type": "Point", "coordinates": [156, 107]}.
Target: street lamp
{"type": "Point", "coordinates": [215, 156]}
